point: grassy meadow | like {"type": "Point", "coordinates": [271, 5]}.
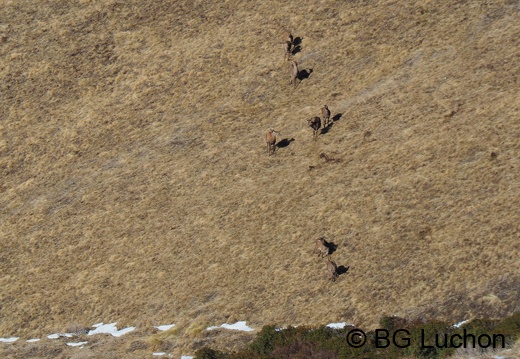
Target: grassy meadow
{"type": "Point", "coordinates": [135, 186]}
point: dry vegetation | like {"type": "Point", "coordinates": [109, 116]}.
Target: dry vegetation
{"type": "Point", "coordinates": [135, 185]}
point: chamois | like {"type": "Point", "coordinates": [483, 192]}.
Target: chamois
{"type": "Point", "coordinates": [288, 50]}
{"type": "Point", "coordinates": [332, 268]}
{"type": "Point", "coordinates": [270, 139]}
{"type": "Point", "coordinates": [325, 112]}
{"type": "Point", "coordinates": [315, 124]}
{"type": "Point", "coordinates": [288, 46]}
{"type": "Point", "coordinates": [290, 38]}
{"type": "Point", "coordinates": [321, 247]}
{"type": "Point", "coordinates": [294, 72]}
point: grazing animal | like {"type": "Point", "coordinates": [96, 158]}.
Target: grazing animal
{"type": "Point", "coordinates": [332, 268]}
{"type": "Point", "coordinates": [294, 72]}
{"type": "Point", "coordinates": [321, 247]}
{"type": "Point", "coordinates": [325, 112]}
{"type": "Point", "coordinates": [270, 139]}
{"type": "Point", "coordinates": [315, 124]}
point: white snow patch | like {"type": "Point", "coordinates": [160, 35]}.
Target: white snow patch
{"type": "Point", "coordinates": [163, 328]}
{"type": "Point", "coordinates": [337, 325]}
{"type": "Point", "coordinates": [76, 344]}
{"type": "Point", "coordinates": [459, 324]}
{"type": "Point", "coordinates": [237, 326]}
{"type": "Point", "coordinates": [186, 357]}
{"type": "Point", "coordinates": [110, 329]}
{"type": "Point", "coordinates": [158, 354]}
{"type": "Point", "coordinates": [34, 340]}
{"type": "Point", "coordinates": [8, 340]}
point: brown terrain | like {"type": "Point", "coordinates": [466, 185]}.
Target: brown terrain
{"type": "Point", "coordinates": [135, 185]}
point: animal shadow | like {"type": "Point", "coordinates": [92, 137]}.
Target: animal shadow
{"type": "Point", "coordinates": [304, 74]}
{"type": "Point", "coordinates": [326, 129]}
{"type": "Point", "coordinates": [342, 270]}
{"type": "Point", "coordinates": [297, 45]}
{"type": "Point", "coordinates": [332, 247]}
{"type": "Point", "coordinates": [336, 117]}
{"type": "Point", "coordinates": [284, 143]}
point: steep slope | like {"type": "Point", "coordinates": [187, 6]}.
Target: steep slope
{"type": "Point", "coordinates": [136, 188]}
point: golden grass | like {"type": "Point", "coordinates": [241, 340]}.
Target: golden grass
{"type": "Point", "coordinates": [135, 185]}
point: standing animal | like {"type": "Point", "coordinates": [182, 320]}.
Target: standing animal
{"type": "Point", "coordinates": [325, 112]}
{"type": "Point", "coordinates": [288, 46]}
{"type": "Point", "coordinates": [315, 124]}
{"type": "Point", "coordinates": [270, 139]}
{"type": "Point", "coordinates": [332, 268]}
{"type": "Point", "coordinates": [294, 72]}
{"type": "Point", "coordinates": [321, 247]}
{"type": "Point", "coordinates": [288, 50]}
{"type": "Point", "coordinates": [290, 38]}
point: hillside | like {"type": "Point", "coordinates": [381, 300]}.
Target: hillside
{"type": "Point", "coordinates": [135, 185]}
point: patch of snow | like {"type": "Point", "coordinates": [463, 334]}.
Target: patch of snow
{"type": "Point", "coordinates": [110, 329]}
{"type": "Point", "coordinates": [499, 357]}
{"type": "Point", "coordinates": [76, 344]}
{"type": "Point", "coordinates": [337, 325]}
{"type": "Point", "coordinates": [159, 354]}
{"type": "Point", "coordinates": [186, 357]}
{"type": "Point", "coordinates": [163, 328]}
{"type": "Point", "coordinates": [32, 340]}
{"type": "Point", "coordinates": [237, 326]}
{"type": "Point", "coordinates": [8, 340]}
{"type": "Point", "coordinates": [459, 324]}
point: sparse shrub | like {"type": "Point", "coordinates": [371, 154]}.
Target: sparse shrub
{"type": "Point", "coordinates": [264, 342]}
{"type": "Point", "coordinates": [207, 353]}
{"type": "Point", "coordinates": [510, 327]}
{"type": "Point", "coordinates": [392, 323]}
{"type": "Point", "coordinates": [137, 345]}
{"type": "Point", "coordinates": [156, 343]}
{"type": "Point", "coordinates": [303, 350]}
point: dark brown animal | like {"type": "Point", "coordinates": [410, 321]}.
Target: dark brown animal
{"type": "Point", "coordinates": [315, 124]}
{"type": "Point", "coordinates": [270, 139]}
{"type": "Point", "coordinates": [325, 113]}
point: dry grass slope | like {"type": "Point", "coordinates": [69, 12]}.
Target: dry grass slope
{"type": "Point", "coordinates": [135, 186]}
